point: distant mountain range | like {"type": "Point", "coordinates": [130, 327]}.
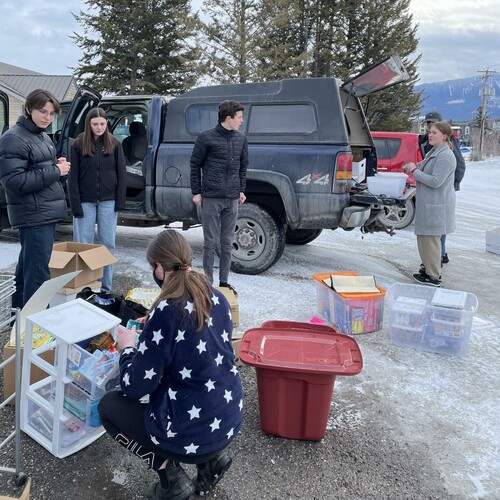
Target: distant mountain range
{"type": "Point", "coordinates": [458, 100]}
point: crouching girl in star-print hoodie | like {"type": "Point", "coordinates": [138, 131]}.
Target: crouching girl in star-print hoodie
{"type": "Point", "coordinates": [185, 362]}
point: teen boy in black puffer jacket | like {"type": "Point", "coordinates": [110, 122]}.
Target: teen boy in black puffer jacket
{"type": "Point", "coordinates": [33, 181]}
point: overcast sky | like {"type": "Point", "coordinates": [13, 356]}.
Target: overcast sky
{"type": "Point", "coordinates": [458, 38]}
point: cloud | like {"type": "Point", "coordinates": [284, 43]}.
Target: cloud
{"type": "Point", "coordinates": [447, 58]}
{"type": "Point", "coordinates": [457, 38]}
{"type": "Point", "coordinates": [36, 37]}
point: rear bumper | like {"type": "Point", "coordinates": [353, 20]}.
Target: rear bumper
{"type": "Point", "coordinates": [354, 216]}
{"type": "Point", "coordinates": [365, 207]}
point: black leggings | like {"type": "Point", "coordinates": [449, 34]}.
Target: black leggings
{"type": "Point", "coordinates": [123, 419]}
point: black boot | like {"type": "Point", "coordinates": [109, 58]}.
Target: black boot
{"type": "Point", "coordinates": [210, 473]}
{"type": "Point", "coordinates": [174, 484]}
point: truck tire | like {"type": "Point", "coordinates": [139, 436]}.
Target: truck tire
{"type": "Point", "coordinates": [259, 240]}
{"type": "Point", "coordinates": [398, 217]}
{"type": "Point", "coordinates": [302, 236]}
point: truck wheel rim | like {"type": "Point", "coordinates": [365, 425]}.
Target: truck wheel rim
{"type": "Point", "coordinates": [249, 240]}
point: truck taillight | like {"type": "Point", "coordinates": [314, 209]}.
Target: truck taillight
{"type": "Point", "coordinates": [343, 173]}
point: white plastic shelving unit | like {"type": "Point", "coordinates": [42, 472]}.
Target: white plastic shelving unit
{"type": "Point", "coordinates": [60, 411]}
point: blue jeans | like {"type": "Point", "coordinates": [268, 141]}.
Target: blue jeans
{"type": "Point", "coordinates": [33, 264]}
{"type": "Point", "coordinates": [103, 214]}
{"type": "Point", "coordinates": [443, 245]}
{"type": "Point", "coordinates": [219, 216]}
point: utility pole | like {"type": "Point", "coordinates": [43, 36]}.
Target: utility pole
{"type": "Point", "coordinates": [486, 92]}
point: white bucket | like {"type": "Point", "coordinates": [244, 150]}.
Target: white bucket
{"type": "Point", "coordinates": [390, 184]}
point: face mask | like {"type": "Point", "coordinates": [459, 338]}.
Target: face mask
{"type": "Point", "coordinates": [158, 281]}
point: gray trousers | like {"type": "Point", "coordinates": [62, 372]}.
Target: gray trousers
{"type": "Point", "coordinates": [429, 248]}
{"type": "Point", "coordinates": [219, 217]}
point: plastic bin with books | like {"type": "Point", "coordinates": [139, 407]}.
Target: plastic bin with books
{"type": "Point", "coordinates": [435, 320]}
{"type": "Point", "coordinates": [351, 312]}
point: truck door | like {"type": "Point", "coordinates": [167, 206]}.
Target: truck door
{"type": "Point", "coordinates": [153, 173]}
{"type": "Point", "coordinates": [4, 112]}
{"type": "Point", "coordinates": [382, 75]}
{"type": "Point", "coordinates": [74, 123]}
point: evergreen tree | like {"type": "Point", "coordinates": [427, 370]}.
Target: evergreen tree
{"type": "Point", "coordinates": [339, 38]}
{"type": "Point", "coordinates": [139, 47]}
{"type": "Point", "coordinates": [284, 41]}
{"type": "Point", "coordinates": [378, 28]}
{"type": "Point", "coordinates": [229, 39]}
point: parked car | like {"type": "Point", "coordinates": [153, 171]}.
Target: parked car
{"type": "Point", "coordinates": [395, 149]}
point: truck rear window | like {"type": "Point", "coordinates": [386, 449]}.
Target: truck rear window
{"type": "Point", "coordinates": [200, 117]}
{"type": "Point", "coordinates": [281, 119]}
{"type": "Point", "coordinates": [260, 119]}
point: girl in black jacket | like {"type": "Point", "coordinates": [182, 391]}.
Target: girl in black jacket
{"type": "Point", "coordinates": [97, 185]}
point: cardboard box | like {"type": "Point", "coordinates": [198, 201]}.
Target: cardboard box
{"type": "Point", "coordinates": [493, 241]}
{"type": "Point", "coordinates": [9, 370]}
{"type": "Point", "coordinates": [89, 259]}
{"type": "Point", "coordinates": [66, 294]}
{"type": "Point", "coordinates": [359, 170]}
{"type": "Point", "coordinates": [233, 304]}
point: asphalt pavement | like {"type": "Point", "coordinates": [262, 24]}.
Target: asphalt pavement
{"type": "Point", "coordinates": [411, 425]}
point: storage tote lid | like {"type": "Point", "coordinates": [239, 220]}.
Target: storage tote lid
{"type": "Point", "coordinates": [449, 298]}
{"type": "Point", "coordinates": [301, 351]}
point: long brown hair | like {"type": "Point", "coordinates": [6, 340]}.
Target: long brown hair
{"type": "Point", "coordinates": [172, 251]}
{"type": "Point", "coordinates": [86, 138]}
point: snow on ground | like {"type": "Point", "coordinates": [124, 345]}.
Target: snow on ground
{"type": "Point", "coordinates": [444, 406]}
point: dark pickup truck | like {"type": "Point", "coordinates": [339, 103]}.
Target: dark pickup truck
{"type": "Point", "coordinates": [305, 137]}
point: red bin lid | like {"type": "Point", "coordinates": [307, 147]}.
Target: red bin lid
{"type": "Point", "coordinates": [301, 351]}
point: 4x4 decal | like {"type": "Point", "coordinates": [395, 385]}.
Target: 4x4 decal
{"type": "Point", "coordinates": [321, 179]}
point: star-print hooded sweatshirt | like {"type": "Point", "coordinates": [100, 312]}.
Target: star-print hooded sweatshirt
{"type": "Point", "coordinates": [196, 399]}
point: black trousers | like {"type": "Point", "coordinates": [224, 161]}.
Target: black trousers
{"type": "Point", "coordinates": [33, 263]}
{"type": "Point", "coordinates": [123, 419]}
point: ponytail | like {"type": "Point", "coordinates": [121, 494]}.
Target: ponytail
{"type": "Point", "coordinates": [172, 251]}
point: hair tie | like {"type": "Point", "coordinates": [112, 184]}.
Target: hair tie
{"type": "Point", "coordinates": [181, 267]}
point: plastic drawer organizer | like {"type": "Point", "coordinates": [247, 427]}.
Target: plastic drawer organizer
{"type": "Point", "coordinates": [436, 320]}
{"type": "Point", "coordinates": [60, 411]}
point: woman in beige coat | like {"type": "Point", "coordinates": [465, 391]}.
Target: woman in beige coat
{"type": "Point", "coordinates": [435, 207]}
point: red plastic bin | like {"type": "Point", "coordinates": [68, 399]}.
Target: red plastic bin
{"type": "Point", "coordinates": [296, 370]}
{"type": "Point", "coordinates": [298, 325]}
